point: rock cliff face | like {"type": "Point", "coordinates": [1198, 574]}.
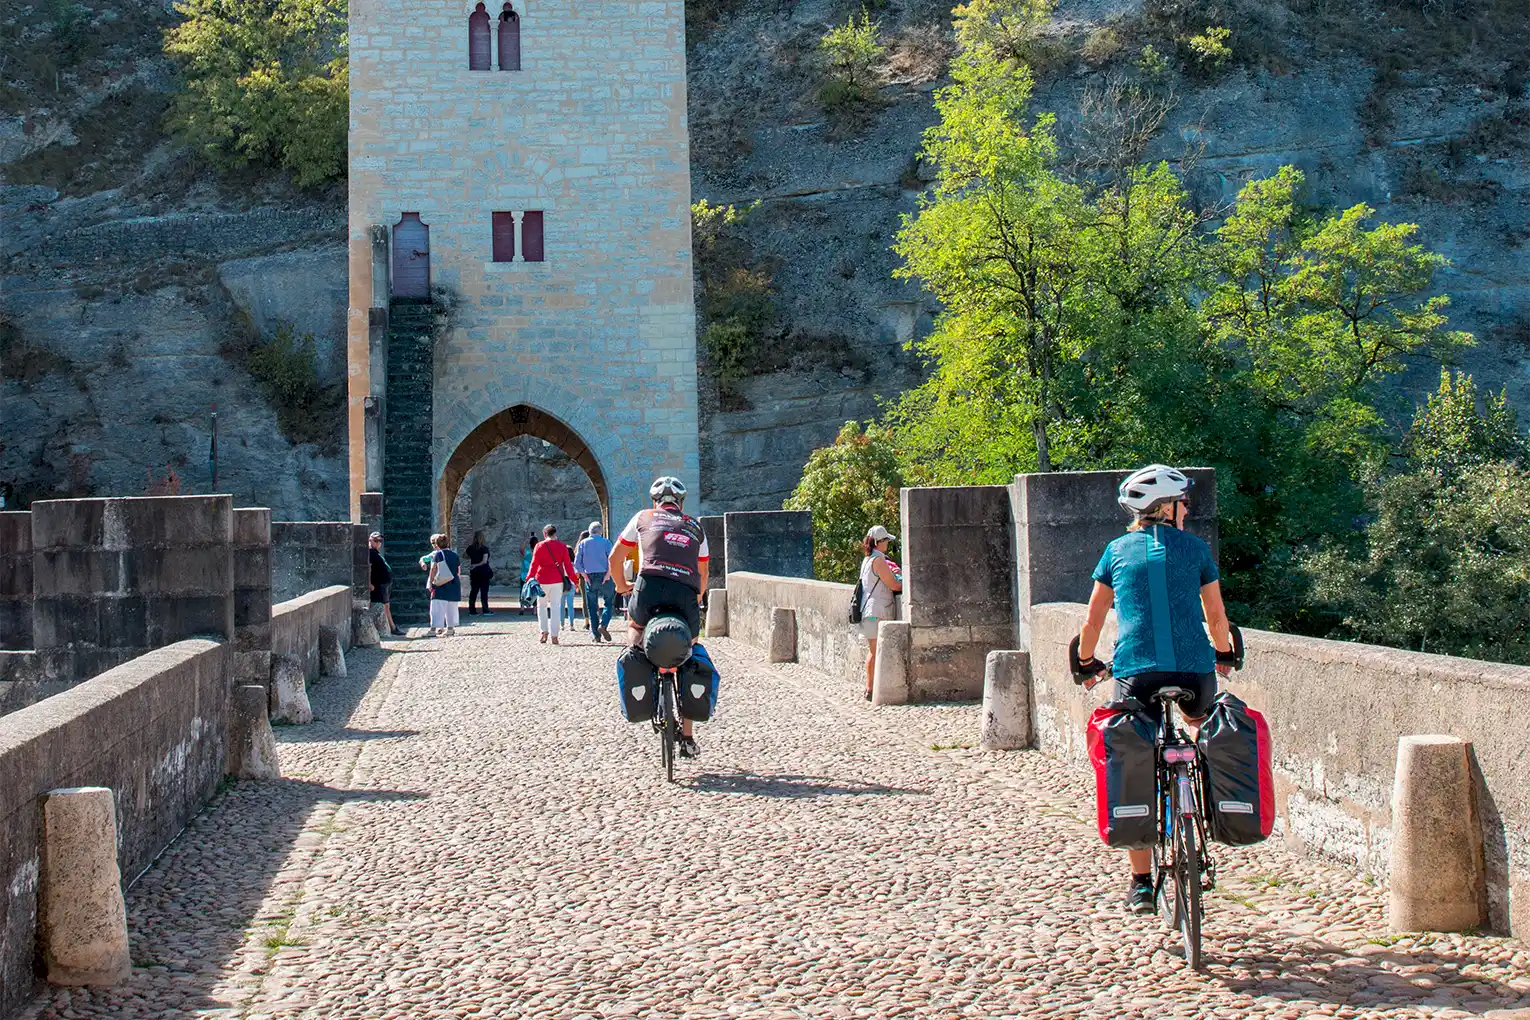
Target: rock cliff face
{"type": "Point", "coordinates": [133, 278]}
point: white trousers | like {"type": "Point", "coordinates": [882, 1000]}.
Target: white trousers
{"type": "Point", "coordinates": [548, 604]}
{"type": "Point", "coordinates": [443, 613]}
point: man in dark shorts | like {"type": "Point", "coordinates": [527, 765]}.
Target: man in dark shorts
{"type": "Point", "coordinates": [672, 571]}
{"type": "Point", "coordinates": [381, 582]}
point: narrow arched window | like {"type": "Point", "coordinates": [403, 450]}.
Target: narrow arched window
{"type": "Point", "coordinates": [478, 40]}
{"type": "Point", "coordinates": [509, 39]}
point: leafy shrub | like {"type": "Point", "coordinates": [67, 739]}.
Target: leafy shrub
{"type": "Point", "coordinates": [266, 84]}
{"type": "Point", "coordinates": [737, 305]}
{"type": "Point", "coordinates": [849, 486]}
{"type": "Point", "coordinates": [852, 53]}
{"type": "Point", "coordinates": [1151, 63]}
{"type": "Point", "coordinates": [1010, 28]}
{"type": "Point", "coordinates": [1101, 45]}
{"type": "Point", "coordinates": [24, 362]}
{"type": "Point", "coordinates": [1209, 51]}
{"type": "Point", "coordinates": [285, 368]}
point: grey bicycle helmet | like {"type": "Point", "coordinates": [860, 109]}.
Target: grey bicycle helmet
{"type": "Point", "coordinates": [1148, 488]}
{"type": "Point", "coordinates": [667, 489]}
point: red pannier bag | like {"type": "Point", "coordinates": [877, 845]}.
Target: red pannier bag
{"type": "Point", "coordinates": [1122, 749]}
{"type": "Point", "coordinates": [1240, 774]}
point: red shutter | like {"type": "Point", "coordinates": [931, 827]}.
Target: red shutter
{"type": "Point", "coordinates": [509, 40]}
{"type": "Point", "coordinates": [531, 236]}
{"type": "Point", "coordinates": [478, 40]}
{"type": "Point", "coordinates": [504, 237]}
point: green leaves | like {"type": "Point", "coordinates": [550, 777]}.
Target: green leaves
{"type": "Point", "coordinates": [266, 83]}
{"type": "Point", "coordinates": [849, 486]}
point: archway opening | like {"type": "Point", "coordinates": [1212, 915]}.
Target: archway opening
{"type": "Point", "coordinates": [518, 471]}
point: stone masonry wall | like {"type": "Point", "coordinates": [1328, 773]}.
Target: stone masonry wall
{"type": "Point", "coordinates": [15, 580]}
{"type": "Point", "coordinates": [152, 730]}
{"type": "Point", "coordinates": [306, 555]}
{"type": "Point", "coordinates": [825, 638]}
{"type": "Point", "coordinates": [592, 132]}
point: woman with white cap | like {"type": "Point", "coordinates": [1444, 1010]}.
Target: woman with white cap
{"type": "Point", "coordinates": [880, 584]}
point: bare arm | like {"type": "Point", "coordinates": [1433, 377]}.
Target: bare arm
{"type": "Point", "coordinates": [1216, 616]}
{"type": "Point", "coordinates": [705, 572]}
{"type": "Point", "coordinates": [617, 563]}
{"type": "Point", "coordinates": [1101, 599]}
{"type": "Point", "coordinates": [885, 573]}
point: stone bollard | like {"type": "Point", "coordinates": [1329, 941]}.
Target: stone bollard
{"type": "Point", "coordinates": [331, 652]}
{"type": "Point", "coordinates": [289, 691]}
{"type": "Point", "coordinates": [717, 613]}
{"type": "Point", "coordinates": [1006, 716]}
{"type": "Point", "coordinates": [889, 675]}
{"type": "Point", "coordinates": [252, 745]}
{"type": "Point", "coordinates": [81, 916]}
{"type": "Point", "coordinates": [783, 634]}
{"type": "Point", "coordinates": [1438, 881]}
{"type": "Point", "coordinates": [364, 630]}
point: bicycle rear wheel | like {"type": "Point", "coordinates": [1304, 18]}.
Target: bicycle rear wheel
{"type": "Point", "coordinates": [1187, 887]}
{"type": "Point", "coordinates": [669, 728]}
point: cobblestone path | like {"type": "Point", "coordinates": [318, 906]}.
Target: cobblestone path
{"type": "Point", "coordinates": [470, 830]}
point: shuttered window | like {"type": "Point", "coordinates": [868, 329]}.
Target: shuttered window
{"type": "Point", "coordinates": [509, 40]}
{"type": "Point", "coordinates": [479, 40]}
{"type": "Point", "coordinates": [531, 236]}
{"type": "Point", "coordinates": [504, 237]}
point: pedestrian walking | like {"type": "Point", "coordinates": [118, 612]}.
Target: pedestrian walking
{"type": "Point", "coordinates": [445, 580]}
{"type": "Point", "coordinates": [479, 574]}
{"type": "Point", "coordinates": [570, 594]}
{"type": "Point", "coordinates": [592, 560]}
{"type": "Point", "coordinates": [880, 584]}
{"type": "Point", "coordinates": [380, 582]}
{"type": "Point", "coordinates": [553, 570]}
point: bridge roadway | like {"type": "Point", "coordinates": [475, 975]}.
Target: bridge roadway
{"type": "Point", "coordinates": [470, 830]}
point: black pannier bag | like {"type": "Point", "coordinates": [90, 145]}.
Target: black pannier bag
{"type": "Point", "coordinates": [1240, 774]}
{"type": "Point", "coordinates": [697, 686]}
{"type": "Point", "coordinates": [638, 682]}
{"type": "Point", "coordinates": [1122, 749]}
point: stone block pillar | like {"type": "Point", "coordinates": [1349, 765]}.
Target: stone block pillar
{"type": "Point", "coordinates": [783, 634]}
{"type": "Point", "coordinates": [252, 749]}
{"type": "Point", "coordinates": [81, 916]}
{"type": "Point", "coordinates": [717, 545]}
{"type": "Point", "coordinates": [1438, 880]}
{"type": "Point", "coordinates": [958, 585]}
{"type": "Point", "coordinates": [115, 578]}
{"type": "Point", "coordinates": [252, 596]}
{"type": "Point", "coordinates": [372, 511]}
{"type": "Point", "coordinates": [1064, 519]}
{"type": "Point", "coordinates": [717, 613]}
{"type": "Point", "coordinates": [889, 674]}
{"type": "Point", "coordinates": [1006, 724]}
{"type": "Point", "coordinates": [778, 542]}
{"type": "Point", "coordinates": [15, 580]}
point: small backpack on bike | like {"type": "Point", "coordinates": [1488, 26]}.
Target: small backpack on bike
{"type": "Point", "coordinates": [1240, 774]}
{"type": "Point", "coordinates": [857, 596]}
{"type": "Point", "coordinates": [1122, 743]}
{"type": "Point", "coordinates": [638, 682]}
{"type": "Point", "coordinates": [697, 693]}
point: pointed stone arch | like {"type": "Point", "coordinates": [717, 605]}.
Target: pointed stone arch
{"type": "Point", "coordinates": [512, 423]}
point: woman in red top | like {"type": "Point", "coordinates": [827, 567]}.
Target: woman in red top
{"type": "Point", "coordinates": [552, 569]}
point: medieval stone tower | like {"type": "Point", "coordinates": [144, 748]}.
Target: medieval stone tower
{"type": "Point", "coordinates": [520, 247]}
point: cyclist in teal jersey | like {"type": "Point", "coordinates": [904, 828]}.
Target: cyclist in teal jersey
{"type": "Point", "coordinates": [1164, 587]}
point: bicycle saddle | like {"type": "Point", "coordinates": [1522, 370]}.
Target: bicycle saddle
{"type": "Point", "coordinates": [1172, 694]}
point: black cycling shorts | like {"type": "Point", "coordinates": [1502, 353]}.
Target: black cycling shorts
{"type": "Point", "coordinates": [655, 596]}
{"type": "Point", "coordinates": [1143, 685]}
{"type": "Point", "coordinates": [381, 592]}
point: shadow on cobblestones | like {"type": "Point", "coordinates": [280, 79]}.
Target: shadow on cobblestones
{"type": "Point", "coordinates": [1271, 964]}
{"type": "Point", "coordinates": [785, 785]}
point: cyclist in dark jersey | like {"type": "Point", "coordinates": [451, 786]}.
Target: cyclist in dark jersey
{"type": "Point", "coordinates": [672, 570]}
{"type": "Point", "coordinates": [1164, 587]}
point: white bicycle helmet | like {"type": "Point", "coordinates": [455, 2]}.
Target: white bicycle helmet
{"type": "Point", "coordinates": [1152, 486]}
{"type": "Point", "coordinates": [667, 489]}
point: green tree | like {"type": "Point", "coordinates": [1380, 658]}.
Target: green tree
{"type": "Point", "coordinates": [266, 83]}
{"type": "Point", "coordinates": [1008, 28]}
{"type": "Point", "coordinates": [849, 487]}
{"type": "Point", "coordinates": [1445, 566]}
{"type": "Point", "coordinates": [1451, 434]}
{"type": "Point", "coordinates": [852, 54]}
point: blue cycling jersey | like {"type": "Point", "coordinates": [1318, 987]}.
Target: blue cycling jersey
{"type": "Point", "coordinates": [1157, 574]}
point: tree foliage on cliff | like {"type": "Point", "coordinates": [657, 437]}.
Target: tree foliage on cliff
{"type": "Point", "coordinates": [849, 487]}
{"type": "Point", "coordinates": [265, 84]}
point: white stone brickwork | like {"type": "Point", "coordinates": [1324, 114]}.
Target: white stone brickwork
{"type": "Point", "coordinates": [592, 131]}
